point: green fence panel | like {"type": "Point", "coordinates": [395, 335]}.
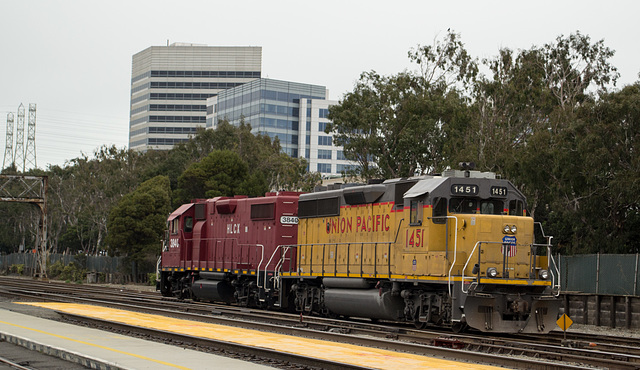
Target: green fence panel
{"type": "Point", "coordinates": [617, 275]}
{"type": "Point", "coordinates": [579, 273]}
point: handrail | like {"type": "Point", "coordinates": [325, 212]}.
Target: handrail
{"type": "Point", "coordinates": [280, 263]}
{"type": "Point", "coordinates": [467, 264]}
{"type": "Point", "coordinates": [158, 268]}
{"type": "Point", "coordinates": [224, 247]}
{"type": "Point", "coordinates": [267, 266]}
{"type": "Point", "coordinates": [455, 247]}
{"type": "Point", "coordinates": [260, 264]}
{"type": "Point", "coordinates": [455, 252]}
{"type": "Point", "coordinates": [345, 243]}
{"type": "Point", "coordinates": [551, 259]}
{"type": "Point", "coordinates": [348, 245]}
{"type": "Point", "coordinates": [478, 244]}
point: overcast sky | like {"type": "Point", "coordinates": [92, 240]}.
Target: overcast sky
{"type": "Point", "coordinates": [73, 58]}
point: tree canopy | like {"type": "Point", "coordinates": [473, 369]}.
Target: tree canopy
{"type": "Point", "coordinates": [549, 118]}
{"type": "Point", "coordinates": [136, 223]}
{"type": "Point", "coordinates": [546, 118]}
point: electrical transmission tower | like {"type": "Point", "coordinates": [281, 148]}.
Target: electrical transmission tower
{"type": "Point", "coordinates": [18, 156]}
{"type": "Point", "coordinates": [30, 151]}
{"type": "Point", "coordinates": [8, 149]}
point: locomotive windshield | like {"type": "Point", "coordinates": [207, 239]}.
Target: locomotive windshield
{"type": "Point", "coordinates": [479, 206]}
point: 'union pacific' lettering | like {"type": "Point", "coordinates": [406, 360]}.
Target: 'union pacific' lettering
{"type": "Point", "coordinates": [343, 225]}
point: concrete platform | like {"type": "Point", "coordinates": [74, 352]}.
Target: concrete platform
{"type": "Point", "coordinates": [104, 350]}
{"type": "Point", "coordinates": [144, 355]}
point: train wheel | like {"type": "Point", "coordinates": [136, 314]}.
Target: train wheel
{"type": "Point", "coordinates": [459, 327]}
{"type": "Point", "coordinates": [420, 324]}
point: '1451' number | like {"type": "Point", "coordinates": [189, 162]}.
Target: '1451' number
{"type": "Point", "coordinates": [416, 239]}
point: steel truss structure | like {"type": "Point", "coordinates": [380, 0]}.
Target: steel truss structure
{"type": "Point", "coordinates": [33, 190]}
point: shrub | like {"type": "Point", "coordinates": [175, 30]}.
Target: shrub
{"type": "Point", "coordinates": [151, 278]}
{"type": "Point", "coordinates": [17, 269]}
{"type": "Point", "coordinates": [68, 273]}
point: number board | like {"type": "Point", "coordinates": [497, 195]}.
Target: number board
{"type": "Point", "coordinates": [498, 191]}
{"type": "Point", "coordinates": [460, 189]}
{"type": "Point", "coordinates": [289, 220]}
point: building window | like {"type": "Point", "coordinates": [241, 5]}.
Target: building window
{"type": "Point", "coordinates": [178, 108]}
{"type": "Point", "coordinates": [324, 154]}
{"type": "Point", "coordinates": [182, 119]}
{"type": "Point", "coordinates": [344, 168]}
{"type": "Point", "coordinates": [168, 96]}
{"type": "Point", "coordinates": [210, 74]}
{"type": "Point", "coordinates": [172, 130]}
{"type": "Point", "coordinates": [325, 140]}
{"type": "Point", "coordinates": [324, 167]}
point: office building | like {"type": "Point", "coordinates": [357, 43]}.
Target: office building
{"type": "Point", "coordinates": [171, 84]}
{"type": "Point", "coordinates": [296, 113]}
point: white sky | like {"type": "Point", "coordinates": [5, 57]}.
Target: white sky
{"type": "Point", "coordinates": [73, 58]}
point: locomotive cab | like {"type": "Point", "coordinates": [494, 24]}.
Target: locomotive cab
{"type": "Point", "coordinates": [177, 244]}
{"type": "Point", "coordinates": [474, 230]}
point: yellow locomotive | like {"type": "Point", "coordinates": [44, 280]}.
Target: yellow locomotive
{"type": "Point", "coordinates": [453, 250]}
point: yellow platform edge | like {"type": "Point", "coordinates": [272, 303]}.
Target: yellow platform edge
{"type": "Point", "coordinates": [313, 348]}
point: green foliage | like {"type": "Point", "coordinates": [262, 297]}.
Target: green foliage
{"type": "Point", "coordinates": [137, 222]}
{"type": "Point", "coordinates": [17, 269]}
{"type": "Point", "coordinates": [544, 117]}
{"type": "Point", "coordinates": [397, 126]}
{"type": "Point", "coordinates": [71, 272]}
{"type": "Point", "coordinates": [151, 279]}
{"type": "Point", "coordinates": [221, 173]}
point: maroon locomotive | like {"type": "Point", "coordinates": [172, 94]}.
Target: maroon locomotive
{"type": "Point", "coordinates": [230, 249]}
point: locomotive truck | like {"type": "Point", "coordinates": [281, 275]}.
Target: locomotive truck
{"type": "Point", "coordinates": [454, 250]}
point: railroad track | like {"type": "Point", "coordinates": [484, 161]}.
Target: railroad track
{"type": "Point", "coordinates": [516, 351]}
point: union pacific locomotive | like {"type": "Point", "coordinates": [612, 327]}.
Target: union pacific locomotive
{"type": "Point", "coordinates": [454, 250]}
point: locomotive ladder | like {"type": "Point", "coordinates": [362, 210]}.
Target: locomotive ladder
{"type": "Point", "coordinates": [284, 249]}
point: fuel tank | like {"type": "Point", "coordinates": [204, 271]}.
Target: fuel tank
{"type": "Point", "coordinates": [369, 303]}
{"type": "Point", "coordinates": [212, 290]}
{"type": "Point", "coordinates": [346, 283]}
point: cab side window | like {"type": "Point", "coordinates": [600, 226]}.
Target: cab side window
{"type": "Point", "coordinates": [175, 226]}
{"type": "Point", "coordinates": [188, 224]}
{"type": "Point", "coordinates": [439, 210]}
{"type": "Point", "coordinates": [415, 214]}
{"type": "Point", "coordinates": [516, 208]}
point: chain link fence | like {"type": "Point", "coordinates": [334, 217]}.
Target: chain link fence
{"type": "Point", "coordinates": [99, 268]}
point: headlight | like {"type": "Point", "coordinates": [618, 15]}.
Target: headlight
{"type": "Point", "coordinates": [543, 274]}
{"type": "Point", "coordinates": [492, 272]}
{"type": "Point", "coordinates": [514, 229]}
{"type": "Point", "coordinates": [506, 229]}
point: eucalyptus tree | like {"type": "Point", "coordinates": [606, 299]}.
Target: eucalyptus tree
{"type": "Point", "coordinates": [399, 125]}
{"type": "Point", "coordinates": [598, 206]}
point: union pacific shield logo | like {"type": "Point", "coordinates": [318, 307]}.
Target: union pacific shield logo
{"type": "Point", "coordinates": [509, 245]}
